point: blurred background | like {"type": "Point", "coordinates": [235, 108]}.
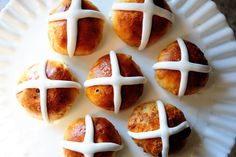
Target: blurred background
{"type": "Point", "coordinates": [228, 7]}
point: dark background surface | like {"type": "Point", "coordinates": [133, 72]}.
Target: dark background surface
{"type": "Point", "coordinates": [228, 8]}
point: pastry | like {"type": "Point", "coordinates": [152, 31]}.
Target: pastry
{"type": "Point", "coordinates": [47, 90]}
{"type": "Point", "coordinates": [115, 82]}
{"type": "Point", "coordinates": [91, 137]}
{"type": "Point", "coordinates": [158, 127]}
{"type": "Point", "coordinates": [75, 27]}
{"type": "Point", "coordinates": [141, 22]}
{"type": "Point", "coordinates": [182, 68]}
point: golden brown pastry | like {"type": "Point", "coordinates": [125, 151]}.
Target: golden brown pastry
{"type": "Point", "coordinates": [91, 137]}
{"type": "Point", "coordinates": [141, 27]}
{"type": "Point", "coordinates": [182, 68]}
{"type": "Point", "coordinates": [166, 121]}
{"type": "Point", "coordinates": [75, 27]}
{"type": "Point", "coordinates": [47, 90]}
{"type": "Point", "coordinates": [114, 82]}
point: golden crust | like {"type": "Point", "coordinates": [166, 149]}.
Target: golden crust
{"type": "Point", "coordinates": [102, 96]}
{"type": "Point", "coordinates": [145, 118]}
{"type": "Point", "coordinates": [90, 31]}
{"type": "Point", "coordinates": [170, 79]}
{"type": "Point", "coordinates": [104, 132]}
{"type": "Point", "coordinates": [128, 24]}
{"type": "Point", "coordinates": [59, 101]}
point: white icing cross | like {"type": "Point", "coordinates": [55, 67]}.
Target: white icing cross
{"type": "Point", "coordinates": [116, 80]}
{"type": "Point", "coordinates": [43, 84]}
{"type": "Point", "coordinates": [72, 15]}
{"type": "Point", "coordinates": [88, 148]}
{"type": "Point", "coordinates": [184, 66]}
{"type": "Point", "coordinates": [164, 132]}
{"type": "Point", "coordinates": [149, 9]}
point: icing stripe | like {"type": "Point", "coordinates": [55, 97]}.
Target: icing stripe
{"type": "Point", "coordinates": [43, 84]}
{"type": "Point", "coordinates": [146, 32]}
{"type": "Point", "coordinates": [164, 132]}
{"type": "Point", "coordinates": [149, 9]}
{"type": "Point", "coordinates": [116, 80]}
{"type": "Point", "coordinates": [89, 129]}
{"type": "Point", "coordinates": [184, 66]}
{"type": "Point", "coordinates": [157, 133]}
{"type": "Point", "coordinates": [48, 84]}
{"type": "Point", "coordinates": [43, 104]}
{"type": "Point", "coordinates": [72, 15]}
{"type": "Point", "coordinates": [88, 148]}
{"type": "Point", "coordinates": [109, 81]}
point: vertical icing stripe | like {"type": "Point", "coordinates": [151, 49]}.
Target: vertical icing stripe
{"type": "Point", "coordinates": [164, 132]}
{"type": "Point", "coordinates": [71, 36]}
{"type": "Point", "coordinates": [116, 81]}
{"type": "Point", "coordinates": [114, 64]}
{"type": "Point", "coordinates": [88, 148]}
{"type": "Point", "coordinates": [43, 91]}
{"type": "Point", "coordinates": [146, 32]}
{"type": "Point", "coordinates": [184, 74]}
{"type": "Point", "coordinates": [184, 66]}
{"type": "Point", "coordinates": [183, 50]}
{"type": "Point", "coordinates": [43, 104]}
{"type": "Point", "coordinates": [183, 83]}
{"type": "Point", "coordinates": [72, 15]}
{"type": "Point", "coordinates": [43, 84]}
{"type": "Point", "coordinates": [116, 76]}
{"type": "Point", "coordinates": [89, 130]}
{"type": "Point", "coordinates": [149, 9]}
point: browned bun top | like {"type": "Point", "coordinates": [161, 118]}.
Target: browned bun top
{"type": "Point", "coordinates": [170, 79]}
{"type": "Point", "coordinates": [104, 131]}
{"type": "Point", "coordinates": [103, 96]}
{"type": "Point", "coordinates": [145, 117]}
{"type": "Point", "coordinates": [90, 31]}
{"type": "Point", "coordinates": [59, 100]}
{"type": "Point", "coordinates": [128, 24]}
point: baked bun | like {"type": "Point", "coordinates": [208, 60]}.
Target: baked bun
{"type": "Point", "coordinates": [158, 127]}
{"type": "Point", "coordinates": [91, 137]}
{"type": "Point", "coordinates": [75, 31]}
{"type": "Point", "coordinates": [182, 68]}
{"type": "Point", "coordinates": [141, 27]}
{"type": "Point", "coordinates": [114, 82]}
{"type": "Point", "coordinates": [47, 90]}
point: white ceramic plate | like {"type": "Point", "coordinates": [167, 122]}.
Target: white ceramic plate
{"type": "Point", "coordinates": [211, 112]}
